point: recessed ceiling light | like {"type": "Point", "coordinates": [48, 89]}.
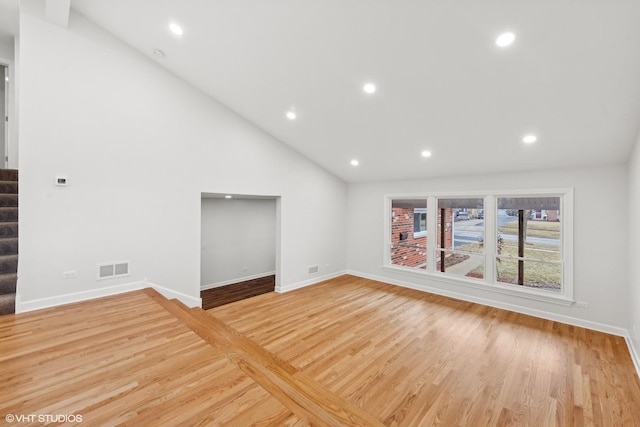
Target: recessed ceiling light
{"type": "Point", "coordinates": [426, 153]}
{"type": "Point", "coordinates": [291, 115]}
{"type": "Point", "coordinates": [227, 196]}
{"type": "Point", "coordinates": [175, 29]}
{"type": "Point", "coordinates": [354, 162]}
{"type": "Point", "coordinates": [529, 139]}
{"type": "Point", "coordinates": [369, 88]}
{"type": "Point", "coordinates": [505, 39]}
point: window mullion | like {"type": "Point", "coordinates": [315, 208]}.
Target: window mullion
{"type": "Point", "coordinates": [490, 238]}
{"type": "Point", "coordinates": [432, 230]}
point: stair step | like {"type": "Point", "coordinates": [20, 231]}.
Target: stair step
{"type": "Point", "coordinates": [8, 264]}
{"type": "Point", "coordinates": [8, 304]}
{"type": "Point", "coordinates": [8, 214]}
{"type": "Point", "coordinates": [9, 200]}
{"type": "Point", "coordinates": [8, 175]}
{"type": "Point", "coordinates": [8, 230]}
{"type": "Point", "coordinates": [8, 240]}
{"type": "Point", "coordinates": [8, 283]}
{"type": "Point", "coordinates": [9, 246]}
{"type": "Point", "coordinates": [9, 187]}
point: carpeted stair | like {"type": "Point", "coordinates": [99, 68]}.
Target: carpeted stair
{"type": "Point", "coordinates": [8, 239]}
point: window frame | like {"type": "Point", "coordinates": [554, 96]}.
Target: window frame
{"type": "Point", "coordinates": [489, 282]}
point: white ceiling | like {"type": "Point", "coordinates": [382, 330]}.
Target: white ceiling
{"type": "Point", "coordinates": [572, 77]}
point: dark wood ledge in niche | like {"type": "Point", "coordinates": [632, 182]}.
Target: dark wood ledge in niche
{"type": "Point", "coordinates": [237, 291]}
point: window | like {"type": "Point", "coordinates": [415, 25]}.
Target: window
{"type": "Point", "coordinates": [409, 233]}
{"type": "Point", "coordinates": [512, 243]}
{"type": "Point", "coordinates": [528, 242]}
{"type": "Point", "coordinates": [419, 222]}
{"type": "Point", "coordinates": [460, 248]}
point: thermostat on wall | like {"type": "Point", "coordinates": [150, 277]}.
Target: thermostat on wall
{"type": "Point", "coordinates": [61, 180]}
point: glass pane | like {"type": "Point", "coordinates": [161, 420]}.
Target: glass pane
{"type": "Point", "coordinates": [463, 224]}
{"type": "Point", "coordinates": [461, 264]}
{"type": "Point", "coordinates": [540, 275]}
{"type": "Point", "coordinates": [528, 218]}
{"type": "Point", "coordinates": [409, 233]}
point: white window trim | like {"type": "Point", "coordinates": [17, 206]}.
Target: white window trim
{"type": "Point", "coordinates": [489, 281]}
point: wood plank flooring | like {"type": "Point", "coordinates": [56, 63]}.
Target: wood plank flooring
{"type": "Point", "coordinates": [222, 295]}
{"type": "Point", "coordinates": [124, 360]}
{"type": "Point", "coordinates": [307, 399]}
{"type": "Point", "coordinates": [409, 358]}
{"type": "Point", "coordinates": [348, 351]}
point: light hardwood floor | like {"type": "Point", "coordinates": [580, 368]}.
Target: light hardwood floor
{"type": "Point", "coordinates": [124, 360]}
{"type": "Point", "coordinates": [410, 358]}
{"type": "Point", "coordinates": [348, 351]}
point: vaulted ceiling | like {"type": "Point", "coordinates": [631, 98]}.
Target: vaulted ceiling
{"type": "Point", "coordinates": [571, 77]}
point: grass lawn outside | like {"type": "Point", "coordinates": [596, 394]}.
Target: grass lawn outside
{"type": "Point", "coordinates": [549, 230]}
{"type": "Point", "coordinates": [537, 274]}
{"type": "Point", "coordinates": [540, 274]}
{"type": "Point", "coordinates": [541, 269]}
{"type": "Point", "coordinates": [534, 251]}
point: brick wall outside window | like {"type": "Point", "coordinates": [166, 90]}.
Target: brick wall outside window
{"type": "Point", "coordinates": [412, 252]}
{"type": "Point", "coordinates": [401, 223]}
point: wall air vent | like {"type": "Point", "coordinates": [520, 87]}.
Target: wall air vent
{"type": "Point", "coordinates": [112, 270]}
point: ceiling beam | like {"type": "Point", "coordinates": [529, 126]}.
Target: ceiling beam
{"type": "Point", "coordinates": [57, 12]}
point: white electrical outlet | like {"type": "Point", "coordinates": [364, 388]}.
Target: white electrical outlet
{"type": "Point", "coordinates": [582, 304]}
{"type": "Point", "coordinates": [69, 274]}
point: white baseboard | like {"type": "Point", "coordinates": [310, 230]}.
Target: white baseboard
{"type": "Point", "coordinates": [37, 304]}
{"type": "Point", "coordinates": [569, 320]}
{"type": "Point", "coordinates": [634, 354]}
{"type": "Point", "coordinates": [171, 294]}
{"type": "Point", "coordinates": [286, 288]}
{"type": "Point", "coordinates": [41, 303]}
{"type": "Point", "coordinates": [239, 279]}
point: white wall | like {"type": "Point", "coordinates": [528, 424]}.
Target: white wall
{"type": "Point", "coordinates": [600, 236]}
{"type": "Point", "coordinates": [139, 146]}
{"type": "Point", "coordinates": [634, 246]}
{"type": "Point", "coordinates": [3, 95]}
{"type": "Point", "coordinates": [6, 47]}
{"type": "Point", "coordinates": [238, 240]}
{"type": "Point", "coordinates": [8, 56]}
